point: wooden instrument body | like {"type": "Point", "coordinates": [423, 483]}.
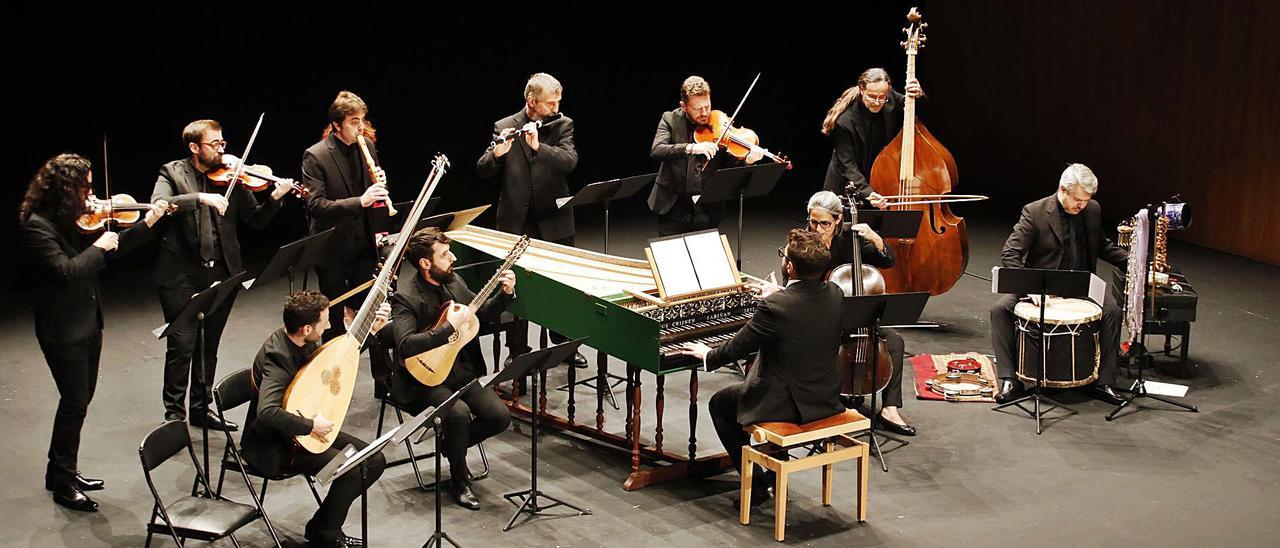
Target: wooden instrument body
{"type": "Point", "coordinates": [324, 386]}
{"type": "Point", "coordinates": [433, 366]}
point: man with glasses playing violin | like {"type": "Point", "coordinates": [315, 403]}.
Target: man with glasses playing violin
{"type": "Point", "coordinates": [865, 119]}
{"type": "Point", "coordinates": [686, 164]}
{"type": "Point", "coordinates": [199, 247]}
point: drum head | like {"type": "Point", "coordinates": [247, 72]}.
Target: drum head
{"type": "Point", "coordinates": [1060, 311]}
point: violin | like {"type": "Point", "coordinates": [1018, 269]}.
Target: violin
{"type": "Point", "coordinates": [738, 141]}
{"type": "Point", "coordinates": [256, 178]}
{"type": "Point", "coordinates": [121, 211]}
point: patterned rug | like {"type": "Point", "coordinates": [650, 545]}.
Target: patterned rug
{"type": "Point", "coordinates": [928, 366]}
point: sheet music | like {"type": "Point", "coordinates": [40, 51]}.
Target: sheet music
{"type": "Point", "coordinates": [560, 202]}
{"type": "Point", "coordinates": [710, 261]}
{"type": "Point", "coordinates": [995, 278]}
{"type": "Point", "coordinates": [1097, 289]}
{"type": "Point", "coordinates": [675, 266]}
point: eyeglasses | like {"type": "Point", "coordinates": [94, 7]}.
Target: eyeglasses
{"type": "Point", "coordinates": [216, 144]}
{"type": "Point", "coordinates": [782, 251]}
{"type": "Point", "coordinates": [821, 224]}
{"type": "Point", "coordinates": [876, 100]}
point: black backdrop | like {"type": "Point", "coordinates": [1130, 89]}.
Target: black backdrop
{"type": "Point", "coordinates": [435, 82]}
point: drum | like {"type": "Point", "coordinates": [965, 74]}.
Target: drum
{"type": "Point", "coordinates": [1071, 333]}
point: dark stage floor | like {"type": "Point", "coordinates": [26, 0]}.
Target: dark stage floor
{"type": "Point", "coordinates": [973, 476]}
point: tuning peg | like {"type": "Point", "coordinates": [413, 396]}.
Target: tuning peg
{"type": "Point", "coordinates": [906, 30]}
{"type": "Point", "coordinates": [924, 26]}
{"type": "Point", "coordinates": [903, 44]}
{"type": "Point", "coordinates": [923, 39]}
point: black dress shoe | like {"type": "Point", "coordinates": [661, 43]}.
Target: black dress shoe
{"type": "Point", "coordinates": [70, 496]}
{"type": "Point", "coordinates": [578, 360]}
{"type": "Point", "coordinates": [851, 402]}
{"type": "Point", "coordinates": [211, 420]}
{"type": "Point", "coordinates": [1107, 394]}
{"type": "Point", "coordinates": [343, 541]}
{"type": "Point", "coordinates": [85, 484]}
{"type": "Point", "coordinates": [759, 495]}
{"type": "Point", "coordinates": [900, 429]}
{"type": "Point", "coordinates": [1010, 390]}
{"type": "Point", "coordinates": [465, 497]}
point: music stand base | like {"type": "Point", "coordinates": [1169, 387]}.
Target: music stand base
{"type": "Point", "coordinates": [873, 439]}
{"type": "Point", "coordinates": [1140, 391]}
{"type": "Point", "coordinates": [438, 539]}
{"type": "Point", "coordinates": [1038, 412]}
{"type": "Point", "coordinates": [531, 505]}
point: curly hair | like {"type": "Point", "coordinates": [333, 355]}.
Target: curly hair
{"type": "Point", "coordinates": [807, 253]}
{"type": "Point", "coordinates": [58, 190]}
{"type": "Point", "coordinates": [419, 246]}
{"type": "Point", "coordinates": [303, 308]}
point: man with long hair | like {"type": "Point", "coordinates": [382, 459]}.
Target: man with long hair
{"type": "Point", "coordinates": [865, 119]}
{"type": "Point", "coordinates": [68, 314]}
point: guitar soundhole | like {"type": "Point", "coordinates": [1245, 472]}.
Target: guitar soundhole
{"type": "Point", "coordinates": [329, 377]}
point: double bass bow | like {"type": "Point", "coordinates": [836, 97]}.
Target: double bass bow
{"type": "Point", "coordinates": [916, 172]}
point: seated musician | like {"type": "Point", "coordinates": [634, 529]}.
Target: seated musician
{"type": "Point", "coordinates": [825, 215]}
{"type": "Point", "coordinates": [796, 332]}
{"type": "Point", "coordinates": [415, 308]}
{"type": "Point", "coordinates": [1063, 232]}
{"type": "Point", "coordinates": [268, 440]}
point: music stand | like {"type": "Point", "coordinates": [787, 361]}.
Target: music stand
{"type": "Point", "coordinates": [201, 304]}
{"type": "Point", "coordinates": [533, 364]}
{"type": "Point", "coordinates": [605, 191]}
{"type": "Point", "coordinates": [867, 312]}
{"type": "Point", "coordinates": [298, 256]}
{"type": "Point", "coordinates": [349, 459]}
{"type": "Point", "coordinates": [397, 223]}
{"type": "Point", "coordinates": [741, 182]}
{"type": "Point", "coordinates": [1042, 282]}
{"type": "Point", "coordinates": [893, 223]}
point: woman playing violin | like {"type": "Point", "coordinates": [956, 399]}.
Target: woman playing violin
{"type": "Point", "coordinates": [68, 314]}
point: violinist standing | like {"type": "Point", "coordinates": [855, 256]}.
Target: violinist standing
{"type": "Point", "coordinates": [68, 313]}
{"type": "Point", "coordinates": [345, 195]}
{"type": "Point", "coordinates": [865, 119]}
{"type": "Point", "coordinates": [683, 161]}
{"type": "Point", "coordinates": [532, 172]}
{"type": "Point", "coordinates": [198, 248]}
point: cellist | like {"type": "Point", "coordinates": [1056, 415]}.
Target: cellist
{"type": "Point", "coordinates": [861, 123]}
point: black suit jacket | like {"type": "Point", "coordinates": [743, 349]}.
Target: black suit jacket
{"type": "Point", "coordinates": [797, 334]}
{"type": "Point", "coordinates": [530, 181]}
{"type": "Point", "coordinates": [1037, 239]}
{"type": "Point", "coordinates": [179, 256]}
{"type": "Point", "coordinates": [335, 200]}
{"type": "Point", "coordinates": [416, 306]}
{"type": "Point", "coordinates": [66, 267]}
{"type": "Point", "coordinates": [674, 132]}
{"type": "Point", "coordinates": [851, 155]}
{"type": "Point", "coordinates": [269, 430]}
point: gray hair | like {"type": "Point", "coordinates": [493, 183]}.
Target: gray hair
{"type": "Point", "coordinates": [872, 75]}
{"type": "Point", "coordinates": [826, 201]}
{"type": "Point", "coordinates": [540, 84]}
{"type": "Point", "coordinates": [1078, 175]}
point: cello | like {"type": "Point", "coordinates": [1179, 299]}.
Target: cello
{"type": "Point", "coordinates": [864, 367]}
{"type": "Point", "coordinates": [915, 171]}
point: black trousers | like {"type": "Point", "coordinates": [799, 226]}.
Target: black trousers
{"type": "Point", "coordinates": [326, 523]}
{"type": "Point", "coordinates": [518, 333]}
{"type": "Point", "coordinates": [1004, 343]}
{"type": "Point", "coordinates": [478, 416]}
{"type": "Point", "coordinates": [892, 393]}
{"type": "Point", "coordinates": [723, 408]}
{"type": "Point", "coordinates": [75, 372]}
{"type": "Point", "coordinates": [349, 272]}
{"type": "Point", "coordinates": [181, 346]}
{"type": "Point", "coordinates": [686, 216]}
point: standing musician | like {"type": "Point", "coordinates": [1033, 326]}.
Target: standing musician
{"type": "Point", "coordinates": [1063, 232]}
{"type": "Point", "coordinates": [343, 193]}
{"type": "Point", "coordinates": [415, 307]}
{"type": "Point", "coordinates": [686, 164]}
{"type": "Point", "coordinates": [796, 332]}
{"type": "Point", "coordinates": [68, 313]}
{"type": "Point", "coordinates": [269, 430]}
{"type": "Point", "coordinates": [825, 215]}
{"type": "Point", "coordinates": [198, 248]}
{"type": "Point", "coordinates": [861, 129]}
{"type": "Point", "coordinates": [531, 178]}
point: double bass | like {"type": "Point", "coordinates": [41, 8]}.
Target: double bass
{"type": "Point", "coordinates": [916, 172]}
{"type": "Point", "coordinates": [864, 367]}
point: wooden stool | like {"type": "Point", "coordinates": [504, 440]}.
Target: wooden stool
{"type": "Point", "coordinates": [783, 436]}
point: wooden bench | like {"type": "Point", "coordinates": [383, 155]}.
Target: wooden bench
{"type": "Point", "coordinates": [779, 437]}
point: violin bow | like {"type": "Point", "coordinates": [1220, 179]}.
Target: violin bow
{"type": "Point", "coordinates": [106, 182]}
{"type": "Point", "coordinates": [235, 176]}
{"type": "Point", "coordinates": [734, 116]}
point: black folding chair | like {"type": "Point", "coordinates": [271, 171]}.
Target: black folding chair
{"type": "Point", "coordinates": [231, 392]}
{"type": "Point", "coordinates": [194, 517]}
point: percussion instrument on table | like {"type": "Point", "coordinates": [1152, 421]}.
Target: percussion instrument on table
{"type": "Point", "coordinates": [1070, 332]}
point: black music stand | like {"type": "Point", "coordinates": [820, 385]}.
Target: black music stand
{"type": "Point", "coordinates": [1138, 349]}
{"type": "Point", "coordinates": [201, 304]}
{"type": "Point", "coordinates": [741, 183]}
{"type": "Point", "coordinates": [604, 192]}
{"type": "Point", "coordinates": [534, 363]}
{"type": "Point", "coordinates": [298, 256]}
{"type": "Point", "coordinates": [893, 224]}
{"type": "Point", "coordinates": [349, 459]}
{"type": "Point", "coordinates": [397, 223]}
{"type": "Point", "coordinates": [867, 312]}
{"type": "Point", "coordinates": [1042, 282]}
